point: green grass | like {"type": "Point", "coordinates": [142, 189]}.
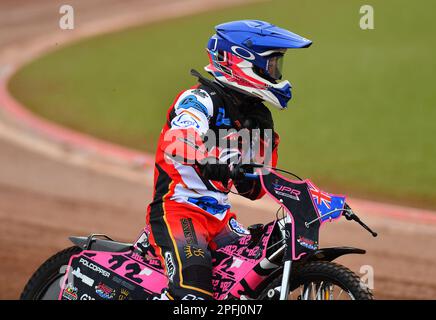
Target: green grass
{"type": "Point", "coordinates": [362, 120]}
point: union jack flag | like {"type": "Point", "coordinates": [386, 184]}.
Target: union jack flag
{"type": "Point", "coordinates": [320, 196]}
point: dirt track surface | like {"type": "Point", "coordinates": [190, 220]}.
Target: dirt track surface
{"type": "Point", "coordinates": [46, 195]}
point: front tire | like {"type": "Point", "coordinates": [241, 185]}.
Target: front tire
{"type": "Point", "coordinates": [45, 282]}
{"type": "Point", "coordinates": [318, 280]}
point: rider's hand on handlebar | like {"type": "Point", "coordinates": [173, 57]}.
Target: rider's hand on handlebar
{"type": "Point", "coordinates": [237, 173]}
{"type": "Point", "coordinates": [212, 169]}
{"type": "Point", "coordinates": [240, 171]}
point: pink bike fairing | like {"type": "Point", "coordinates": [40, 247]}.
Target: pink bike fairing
{"type": "Point", "coordinates": [239, 268]}
{"type": "Point", "coordinates": [308, 192]}
{"type": "Point", "coordinates": [110, 275]}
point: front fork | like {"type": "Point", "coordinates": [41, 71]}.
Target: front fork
{"type": "Point", "coordinates": [286, 232]}
{"type": "Point", "coordinates": [284, 291]}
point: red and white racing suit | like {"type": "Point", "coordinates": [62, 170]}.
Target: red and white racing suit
{"type": "Point", "coordinates": [189, 215]}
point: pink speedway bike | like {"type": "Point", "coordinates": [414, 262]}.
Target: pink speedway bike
{"type": "Point", "coordinates": [279, 260]}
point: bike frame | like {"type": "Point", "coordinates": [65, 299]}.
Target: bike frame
{"type": "Point", "coordinates": [240, 267]}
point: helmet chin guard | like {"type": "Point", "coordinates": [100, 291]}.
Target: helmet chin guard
{"type": "Point", "coordinates": [248, 56]}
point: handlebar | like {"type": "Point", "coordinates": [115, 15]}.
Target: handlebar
{"type": "Point", "coordinates": [350, 215]}
{"type": "Point", "coordinates": [239, 172]}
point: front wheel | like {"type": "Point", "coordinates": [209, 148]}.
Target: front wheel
{"type": "Point", "coordinates": [320, 280]}
{"type": "Point", "coordinates": [45, 283]}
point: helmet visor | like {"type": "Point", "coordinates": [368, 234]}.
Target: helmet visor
{"type": "Point", "coordinates": [275, 65]}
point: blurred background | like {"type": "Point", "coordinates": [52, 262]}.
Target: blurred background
{"type": "Point", "coordinates": [361, 121]}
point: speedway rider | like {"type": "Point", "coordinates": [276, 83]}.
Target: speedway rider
{"type": "Point", "coordinates": [190, 213]}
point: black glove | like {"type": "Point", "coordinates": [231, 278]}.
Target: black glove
{"type": "Point", "coordinates": [211, 169]}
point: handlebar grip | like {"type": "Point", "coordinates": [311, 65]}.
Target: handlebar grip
{"type": "Point", "coordinates": [239, 173]}
{"type": "Point", "coordinates": [251, 176]}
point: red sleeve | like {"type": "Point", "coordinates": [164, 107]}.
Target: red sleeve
{"type": "Point", "coordinates": [183, 145]}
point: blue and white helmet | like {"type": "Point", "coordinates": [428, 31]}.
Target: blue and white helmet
{"type": "Point", "coordinates": [248, 55]}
